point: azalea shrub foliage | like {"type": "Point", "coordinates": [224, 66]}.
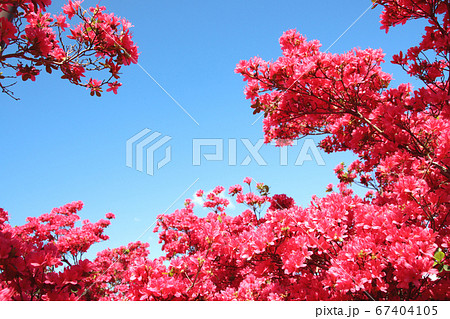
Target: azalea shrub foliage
{"type": "Point", "coordinates": [76, 42]}
{"type": "Point", "coordinates": [391, 244]}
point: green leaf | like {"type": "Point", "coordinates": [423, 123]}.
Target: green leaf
{"type": "Point", "coordinates": [439, 255]}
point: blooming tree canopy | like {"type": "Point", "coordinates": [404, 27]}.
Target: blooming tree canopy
{"type": "Point", "coordinates": [76, 42]}
{"type": "Point", "coordinates": [391, 244]}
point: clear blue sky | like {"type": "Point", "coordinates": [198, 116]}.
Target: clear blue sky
{"type": "Point", "coordinates": [58, 144]}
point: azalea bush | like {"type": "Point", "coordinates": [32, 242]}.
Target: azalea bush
{"type": "Point", "coordinates": [341, 247]}
{"type": "Point", "coordinates": [43, 259]}
{"type": "Point", "coordinates": [391, 244]}
{"type": "Point", "coordinates": [76, 42]}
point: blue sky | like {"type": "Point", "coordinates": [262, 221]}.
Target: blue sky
{"type": "Point", "coordinates": [59, 144]}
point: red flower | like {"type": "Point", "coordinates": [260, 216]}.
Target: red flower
{"type": "Point", "coordinates": [95, 86]}
{"type": "Point", "coordinates": [110, 216]}
{"type": "Point", "coordinates": [71, 8]}
{"type": "Point", "coordinates": [27, 72]}
{"type": "Point", "coordinates": [113, 87]}
{"type": "Point", "coordinates": [7, 31]}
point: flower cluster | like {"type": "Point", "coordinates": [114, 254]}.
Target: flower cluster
{"type": "Point", "coordinates": [341, 247]}
{"type": "Point", "coordinates": [43, 259]}
{"type": "Point", "coordinates": [393, 244]}
{"type": "Point", "coordinates": [32, 39]}
{"type": "Point", "coordinates": [400, 135]}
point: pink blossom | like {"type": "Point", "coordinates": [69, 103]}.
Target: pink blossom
{"type": "Point", "coordinates": [113, 87]}
{"type": "Point", "coordinates": [199, 193]}
{"type": "Point", "coordinates": [71, 8]}
{"type": "Point", "coordinates": [110, 216]}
